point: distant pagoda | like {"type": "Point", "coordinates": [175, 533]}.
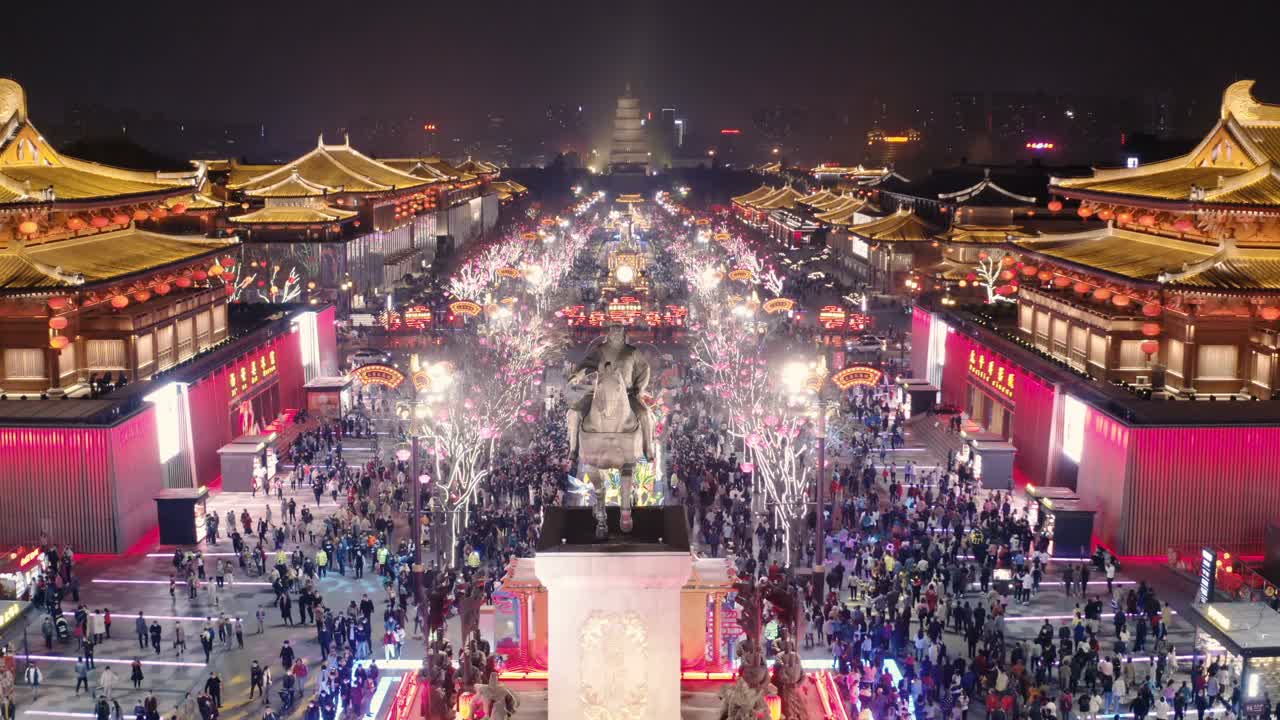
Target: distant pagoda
{"type": "Point", "coordinates": [629, 152]}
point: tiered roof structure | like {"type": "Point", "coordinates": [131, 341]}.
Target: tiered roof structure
{"type": "Point", "coordinates": [629, 151]}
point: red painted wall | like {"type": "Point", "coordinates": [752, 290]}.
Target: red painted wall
{"type": "Point", "coordinates": [210, 402]}
{"type": "Point", "coordinates": [1101, 480]}
{"type": "Point", "coordinates": [955, 371]}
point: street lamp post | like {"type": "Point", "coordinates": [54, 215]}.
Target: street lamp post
{"type": "Point", "coordinates": [415, 523]}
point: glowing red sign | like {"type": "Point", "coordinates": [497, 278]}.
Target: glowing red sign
{"type": "Point", "coordinates": [418, 316]}
{"type": "Point", "coordinates": [993, 371]}
{"type": "Point", "coordinates": [731, 131]}
{"type": "Point", "coordinates": [246, 375]}
{"type": "Point", "coordinates": [375, 374]}
{"type": "Point", "coordinates": [1040, 145]}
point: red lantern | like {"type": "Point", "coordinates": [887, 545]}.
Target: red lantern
{"type": "Point", "coordinates": [970, 277]}
{"type": "Point", "coordinates": [1045, 276]}
{"type": "Point", "coordinates": [57, 322]}
{"type": "Point", "coordinates": [199, 275]}
{"type": "Point", "coordinates": [162, 289]}
{"type": "Point", "coordinates": [1006, 275]}
{"type": "Point", "coordinates": [981, 256]}
{"type": "Point", "coordinates": [1121, 300]}
{"type": "Point", "coordinates": [57, 303]}
{"type": "Point", "coordinates": [57, 342]}
{"type": "Point", "coordinates": [1061, 281]}
{"type": "Point", "coordinates": [142, 296]}
{"type": "Point", "coordinates": [1124, 218]}
{"type": "Point", "coordinates": [1006, 290]}
{"type": "Point", "coordinates": [74, 224]}
{"type": "Point", "coordinates": [183, 282]}
{"type": "Point", "coordinates": [1270, 313]}
{"type": "Point", "coordinates": [140, 215]}
{"type": "Point", "coordinates": [1147, 220]}
{"type": "Point", "coordinates": [1029, 270]}
{"type": "Point", "coordinates": [120, 219]}
{"type": "Point", "coordinates": [99, 221]}
{"type": "Point", "coordinates": [1084, 211]}
{"type": "Point", "coordinates": [228, 263]}
{"type": "Point", "coordinates": [1055, 206]}
{"type": "Point", "coordinates": [1082, 288]}
{"type": "Point", "coordinates": [1151, 310]}
{"type": "Point", "coordinates": [1183, 225]}
{"type": "Point", "coordinates": [1008, 261]}
{"type": "Point", "coordinates": [179, 208]}
{"type": "Point", "coordinates": [28, 227]}
{"type": "Point", "coordinates": [119, 302]}
{"type": "Point", "coordinates": [159, 213]}
{"type": "Point", "coordinates": [1105, 214]}
{"type": "Point", "coordinates": [1102, 294]}
{"type": "Point", "coordinates": [1150, 347]}
{"type": "Point", "coordinates": [231, 289]}
{"type": "Point", "coordinates": [1151, 329]}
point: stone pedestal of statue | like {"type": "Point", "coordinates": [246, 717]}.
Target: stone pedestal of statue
{"type": "Point", "coordinates": [613, 613]}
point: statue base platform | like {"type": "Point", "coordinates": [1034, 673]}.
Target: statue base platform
{"type": "Point", "coordinates": [613, 610]}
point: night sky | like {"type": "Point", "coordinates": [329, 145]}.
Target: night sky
{"type": "Point", "coordinates": [321, 63]}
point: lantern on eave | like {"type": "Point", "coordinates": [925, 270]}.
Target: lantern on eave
{"type": "Point", "coordinates": [1150, 347]}
{"type": "Point", "coordinates": [183, 282]}
{"type": "Point", "coordinates": [1084, 211]}
{"type": "Point", "coordinates": [1121, 300]}
{"type": "Point", "coordinates": [99, 221]}
{"type": "Point", "coordinates": [140, 215]}
{"type": "Point", "coordinates": [1147, 220]}
{"type": "Point", "coordinates": [163, 288]}
{"type": "Point", "coordinates": [57, 342]}
{"type": "Point", "coordinates": [1270, 313]}
{"type": "Point", "coordinates": [1029, 270]}
{"type": "Point", "coordinates": [1124, 217]}
{"type": "Point", "coordinates": [1006, 275]}
{"type": "Point", "coordinates": [983, 255]}
{"type": "Point", "coordinates": [58, 302]}
{"type": "Point", "coordinates": [74, 224]}
{"type": "Point", "coordinates": [119, 302]}
{"type": "Point", "coordinates": [1151, 329]}
{"type": "Point", "coordinates": [1008, 261]}
{"type": "Point", "coordinates": [1061, 281]}
{"type": "Point", "coordinates": [159, 213]}
{"type": "Point", "coordinates": [142, 296]}
{"type": "Point", "coordinates": [227, 262]}
{"type": "Point", "coordinates": [1055, 205]}
{"type": "Point", "coordinates": [215, 270]}
{"type": "Point", "coordinates": [58, 322]}
{"type": "Point", "coordinates": [1081, 288]}
{"type": "Point", "coordinates": [1183, 224]}
{"type": "Point", "coordinates": [199, 275]}
{"type": "Point", "coordinates": [1106, 214]}
{"type": "Point", "coordinates": [1044, 276]}
{"type": "Point", "coordinates": [1151, 310]}
{"type": "Point", "coordinates": [1102, 294]}
{"type": "Point", "coordinates": [179, 208]}
{"type": "Point", "coordinates": [119, 219]}
{"type": "Point", "coordinates": [28, 227]}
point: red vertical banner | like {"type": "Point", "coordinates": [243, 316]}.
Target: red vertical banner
{"type": "Point", "coordinates": [1032, 432]}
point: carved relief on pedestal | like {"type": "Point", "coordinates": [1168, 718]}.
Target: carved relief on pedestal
{"type": "Point", "coordinates": [608, 643]}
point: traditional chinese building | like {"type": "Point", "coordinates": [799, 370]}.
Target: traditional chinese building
{"type": "Point", "coordinates": [1135, 363]}
{"type": "Point", "coordinates": [93, 282]}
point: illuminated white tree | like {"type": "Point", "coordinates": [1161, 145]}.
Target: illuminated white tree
{"type": "Point", "coordinates": [990, 266]}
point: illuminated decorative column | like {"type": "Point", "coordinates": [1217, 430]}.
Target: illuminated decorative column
{"type": "Point", "coordinates": [614, 631]}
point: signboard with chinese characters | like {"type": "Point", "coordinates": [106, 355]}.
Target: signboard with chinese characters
{"type": "Point", "coordinates": [1208, 574]}
{"type": "Point", "coordinates": [251, 373]}
{"type": "Point", "coordinates": [994, 373]}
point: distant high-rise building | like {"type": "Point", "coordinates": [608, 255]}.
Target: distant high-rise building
{"type": "Point", "coordinates": [681, 128]}
{"type": "Point", "coordinates": [629, 153]}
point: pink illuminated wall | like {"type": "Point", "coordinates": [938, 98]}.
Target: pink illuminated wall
{"type": "Point", "coordinates": [327, 334]}
{"type": "Point", "coordinates": [1032, 431]}
{"type": "Point", "coordinates": [91, 487]}
{"type": "Point", "coordinates": [921, 321]}
{"type": "Point", "coordinates": [1102, 478]}
{"type": "Point", "coordinates": [955, 373]}
{"type": "Point", "coordinates": [1201, 484]}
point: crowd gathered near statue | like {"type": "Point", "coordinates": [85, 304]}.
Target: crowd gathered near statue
{"type": "Point", "coordinates": [922, 568]}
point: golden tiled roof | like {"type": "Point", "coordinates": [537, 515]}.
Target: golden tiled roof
{"type": "Point", "coordinates": [1244, 140]}
{"type": "Point", "coordinates": [293, 215]}
{"type": "Point", "coordinates": [196, 201]}
{"type": "Point", "coordinates": [783, 198]}
{"type": "Point", "coordinates": [841, 213]}
{"type": "Point", "coordinates": [981, 234]}
{"type": "Point", "coordinates": [31, 170]}
{"type": "Point", "coordinates": [433, 169]}
{"type": "Point", "coordinates": [292, 186]}
{"type": "Point", "coordinates": [757, 194]}
{"type": "Point", "coordinates": [510, 187]}
{"type": "Point", "coordinates": [1121, 252]}
{"type": "Point", "coordinates": [337, 166]}
{"type": "Point", "coordinates": [240, 174]}
{"type": "Point", "coordinates": [479, 167]}
{"type": "Point", "coordinates": [98, 257]}
{"type": "Point", "coordinates": [902, 226]}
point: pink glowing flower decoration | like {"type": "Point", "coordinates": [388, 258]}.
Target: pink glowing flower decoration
{"type": "Point", "coordinates": [747, 467]}
{"type": "Point", "coordinates": [754, 440]}
{"type": "Point", "coordinates": [770, 420]}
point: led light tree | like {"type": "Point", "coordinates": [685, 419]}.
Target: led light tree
{"type": "Point", "coordinates": [991, 267]}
